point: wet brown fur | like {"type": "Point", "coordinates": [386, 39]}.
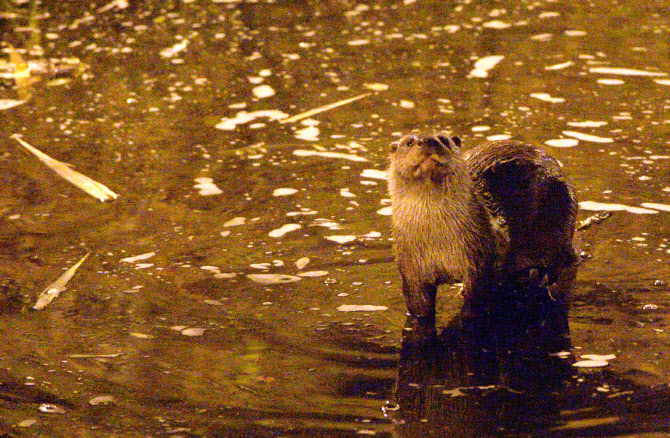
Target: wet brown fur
{"type": "Point", "coordinates": [503, 212]}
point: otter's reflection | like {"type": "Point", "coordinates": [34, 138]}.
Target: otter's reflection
{"type": "Point", "coordinates": [494, 369]}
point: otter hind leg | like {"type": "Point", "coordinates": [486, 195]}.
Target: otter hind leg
{"type": "Point", "coordinates": [420, 299]}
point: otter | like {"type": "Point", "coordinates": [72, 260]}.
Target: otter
{"type": "Point", "coordinates": [500, 215]}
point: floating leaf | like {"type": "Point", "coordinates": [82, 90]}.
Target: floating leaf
{"type": "Point", "coordinates": [323, 109]}
{"type": "Point", "coordinates": [54, 289]}
{"type": "Point", "coordinates": [85, 183]}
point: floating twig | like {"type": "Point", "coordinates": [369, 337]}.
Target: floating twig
{"type": "Point", "coordinates": [58, 286]}
{"type": "Point", "coordinates": [94, 356]}
{"type": "Point", "coordinates": [593, 220]}
{"type": "Point", "coordinates": [85, 183]}
{"type": "Point", "coordinates": [323, 109]}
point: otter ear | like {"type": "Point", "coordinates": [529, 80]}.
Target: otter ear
{"type": "Point", "coordinates": [453, 143]}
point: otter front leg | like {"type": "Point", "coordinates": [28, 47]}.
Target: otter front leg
{"type": "Point", "coordinates": [420, 299]}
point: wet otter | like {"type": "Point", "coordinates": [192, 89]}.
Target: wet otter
{"type": "Point", "coordinates": [502, 214]}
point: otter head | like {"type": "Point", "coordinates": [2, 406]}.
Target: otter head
{"type": "Point", "coordinates": [428, 159]}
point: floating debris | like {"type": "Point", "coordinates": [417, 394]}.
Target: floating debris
{"type": "Point", "coordinates": [206, 187]}
{"type": "Point", "coordinates": [263, 91]}
{"type": "Point", "coordinates": [237, 221]}
{"type": "Point", "coordinates": [587, 124]}
{"type": "Point", "coordinates": [496, 24]}
{"type": "Point", "coordinates": [601, 206]}
{"type": "Point", "coordinates": [284, 192]}
{"type": "Point", "coordinates": [662, 207]}
{"type": "Point", "coordinates": [498, 137]}
{"type": "Point", "coordinates": [313, 274]}
{"type": "Point", "coordinates": [341, 239]}
{"type": "Point", "coordinates": [625, 71]}
{"type": "Point", "coordinates": [302, 262]}
{"type": "Point", "coordinates": [306, 153]}
{"type": "Point", "coordinates": [94, 356]}
{"type": "Point", "coordinates": [559, 66]}
{"type": "Point", "coordinates": [6, 104]}
{"type": "Point", "coordinates": [139, 257]}
{"type": "Point", "coordinates": [172, 51]}
{"type": "Point", "coordinates": [587, 137]}
{"type": "Point", "coordinates": [85, 183]}
{"type": "Point", "coordinates": [49, 408]}
{"type": "Point", "coordinates": [610, 82]}
{"type": "Point", "coordinates": [192, 331]}
{"type": "Point", "coordinates": [375, 174]}
{"type": "Point", "coordinates": [141, 335]}
{"type": "Point", "coordinates": [116, 4]}
{"type": "Point", "coordinates": [242, 117]}
{"type": "Point", "coordinates": [310, 133]}
{"type": "Point", "coordinates": [594, 361]}
{"type": "Point", "coordinates": [360, 308]}
{"type": "Point", "coordinates": [54, 289]}
{"type": "Point", "coordinates": [562, 142]}
{"type": "Point", "coordinates": [376, 87]}
{"type": "Point", "coordinates": [102, 400]}
{"type": "Point", "coordinates": [484, 65]}
{"type": "Point", "coordinates": [281, 231]}
{"type": "Point", "coordinates": [324, 108]}
{"type": "Point", "coordinates": [272, 278]}
{"type": "Point", "coordinates": [545, 97]}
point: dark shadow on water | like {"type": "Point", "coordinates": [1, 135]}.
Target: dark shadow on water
{"type": "Point", "coordinates": [508, 372]}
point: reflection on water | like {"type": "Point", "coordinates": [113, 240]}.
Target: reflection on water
{"type": "Point", "coordinates": [247, 141]}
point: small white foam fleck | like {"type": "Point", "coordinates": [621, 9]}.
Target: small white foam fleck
{"type": "Point", "coordinates": [407, 104]}
{"type": "Point", "coordinates": [549, 14]}
{"type": "Point", "coordinates": [662, 81]}
{"type": "Point", "coordinates": [545, 97]}
{"type": "Point", "coordinates": [574, 33]}
{"type": "Point", "coordinates": [562, 142]}
{"type": "Point", "coordinates": [602, 206]}
{"type": "Point", "coordinates": [587, 137]}
{"type": "Point", "coordinates": [263, 91]}
{"type": "Point", "coordinates": [360, 42]}
{"type": "Point", "coordinates": [480, 128]}
{"type": "Point", "coordinates": [281, 231]}
{"type": "Point", "coordinates": [284, 191]}
{"type": "Point", "coordinates": [341, 239]}
{"type": "Point", "coordinates": [206, 187]}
